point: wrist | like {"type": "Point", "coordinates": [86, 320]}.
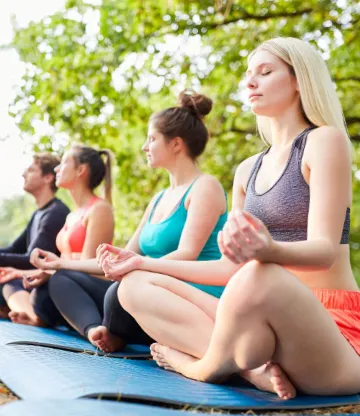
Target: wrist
{"type": "Point", "coordinates": [58, 264]}
{"type": "Point", "coordinates": [143, 263]}
{"type": "Point", "coordinates": [271, 254]}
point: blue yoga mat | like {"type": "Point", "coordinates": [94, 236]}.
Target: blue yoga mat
{"type": "Point", "coordinates": [65, 340]}
{"type": "Point", "coordinates": [86, 407]}
{"type": "Point", "coordinates": [42, 373]}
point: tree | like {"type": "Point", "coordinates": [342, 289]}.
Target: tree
{"type": "Point", "coordinates": [97, 70]}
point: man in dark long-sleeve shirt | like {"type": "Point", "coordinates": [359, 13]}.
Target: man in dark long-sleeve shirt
{"type": "Point", "coordinates": [43, 227]}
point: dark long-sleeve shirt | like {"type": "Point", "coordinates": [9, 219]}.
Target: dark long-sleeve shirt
{"type": "Point", "coordinates": [40, 232]}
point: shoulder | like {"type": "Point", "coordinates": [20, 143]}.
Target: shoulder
{"type": "Point", "coordinates": [207, 190]}
{"type": "Point", "coordinates": [327, 143]}
{"type": "Point", "coordinates": [59, 206]}
{"type": "Point", "coordinates": [242, 173]}
{"type": "Point", "coordinates": [56, 209]}
{"type": "Point", "coordinates": [100, 208]}
{"type": "Point", "coordinates": [208, 183]}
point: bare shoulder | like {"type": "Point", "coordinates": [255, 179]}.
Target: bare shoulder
{"type": "Point", "coordinates": [100, 208]}
{"type": "Point", "coordinates": [208, 183]}
{"type": "Point", "coordinates": [327, 143]}
{"type": "Point", "coordinates": [207, 190]}
{"type": "Point", "coordinates": [243, 171]}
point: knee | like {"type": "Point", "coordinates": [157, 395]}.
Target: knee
{"type": "Point", "coordinates": [131, 291]}
{"type": "Point", "coordinates": [57, 282]}
{"type": "Point", "coordinates": [256, 284]}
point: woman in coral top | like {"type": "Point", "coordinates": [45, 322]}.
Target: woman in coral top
{"type": "Point", "coordinates": [81, 171]}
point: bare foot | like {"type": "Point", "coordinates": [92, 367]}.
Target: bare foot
{"type": "Point", "coordinates": [25, 319]}
{"type": "Point", "coordinates": [169, 358]}
{"type": "Point", "coordinates": [102, 338]}
{"type": "Point", "coordinates": [270, 377]}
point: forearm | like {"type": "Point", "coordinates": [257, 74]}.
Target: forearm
{"type": "Point", "coordinates": [309, 255]}
{"type": "Point", "coordinates": [86, 266]}
{"type": "Point", "coordinates": [18, 261]}
{"type": "Point", "coordinates": [215, 272]}
{"type": "Point", "coordinates": [181, 254]}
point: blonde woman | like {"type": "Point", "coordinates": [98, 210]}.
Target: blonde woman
{"type": "Point", "coordinates": [289, 318]}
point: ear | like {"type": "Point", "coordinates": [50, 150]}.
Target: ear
{"type": "Point", "coordinates": [297, 85]}
{"type": "Point", "coordinates": [177, 144]}
{"type": "Point", "coordinates": [49, 177]}
{"type": "Point", "coordinates": [82, 170]}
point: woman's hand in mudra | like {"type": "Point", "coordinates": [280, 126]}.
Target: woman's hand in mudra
{"type": "Point", "coordinates": [117, 262]}
{"type": "Point", "coordinates": [244, 238]}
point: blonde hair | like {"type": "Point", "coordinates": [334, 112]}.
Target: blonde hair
{"type": "Point", "coordinates": [319, 101]}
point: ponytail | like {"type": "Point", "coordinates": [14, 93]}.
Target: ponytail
{"type": "Point", "coordinates": [108, 174]}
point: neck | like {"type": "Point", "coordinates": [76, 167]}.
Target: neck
{"type": "Point", "coordinates": [43, 197]}
{"type": "Point", "coordinates": [81, 195]}
{"type": "Point", "coordinates": [184, 171]}
{"type": "Point", "coordinates": [286, 127]}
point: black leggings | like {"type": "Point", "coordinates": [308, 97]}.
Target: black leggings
{"type": "Point", "coordinates": [121, 323]}
{"type": "Point", "coordinates": [39, 299]}
{"type": "Point", "coordinates": [79, 297]}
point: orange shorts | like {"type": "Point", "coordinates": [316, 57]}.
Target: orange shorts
{"type": "Point", "coordinates": [344, 308]}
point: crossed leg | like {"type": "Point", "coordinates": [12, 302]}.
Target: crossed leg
{"type": "Point", "coordinates": [169, 310]}
{"type": "Point", "coordinates": [266, 315]}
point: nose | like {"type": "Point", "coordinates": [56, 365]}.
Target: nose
{"type": "Point", "coordinates": [145, 146]}
{"type": "Point", "coordinates": [251, 83]}
{"type": "Point", "coordinates": [57, 168]}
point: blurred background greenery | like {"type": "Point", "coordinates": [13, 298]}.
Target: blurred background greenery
{"type": "Point", "coordinates": [97, 70]}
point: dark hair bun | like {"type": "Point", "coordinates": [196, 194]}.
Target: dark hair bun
{"type": "Point", "coordinates": [198, 104]}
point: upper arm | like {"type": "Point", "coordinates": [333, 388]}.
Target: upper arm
{"type": "Point", "coordinates": [207, 203]}
{"type": "Point", "coordinates": [328, 158]}
{"type": "Point", "coordinates": [133, 243]}
{"type": "Point", "coordinates": [99, 228]}
{"type": "Point", "coordinates": [241, 180]}
{"type": "Point", "coordinates": [50, 225]}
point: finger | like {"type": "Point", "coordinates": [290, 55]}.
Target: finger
{"type": "Point", "coordinates": [112, 249]}
{"type": "Point", "coordinates": [104, 258]}
{"type": "Point", "coordinates": [100, 251]}
{"type": "Point", "coordinates": [233, 239]}
{"type": "Point", "coordinates": [43, 253]}
{"type": "Point", "coordinates": [237, 256]}
{"type": "Point", "coordinates": [248, 232]}
{"type": "Point", "coordinates": [25, 283]}
{"type": "Point", "coordinates": [220, 242]}
{"type": "Point", "coordinates": [255, 222]}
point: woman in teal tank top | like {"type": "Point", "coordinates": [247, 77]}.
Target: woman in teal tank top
{"type": "Point", "coordinates": [159, 239]}
{"type": "Point", "coordinates": [182, 221]}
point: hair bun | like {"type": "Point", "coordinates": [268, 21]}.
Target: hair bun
{"type": "Point", "coordinates": [198, 104]}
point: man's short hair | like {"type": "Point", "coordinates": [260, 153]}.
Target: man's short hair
{"type": "Point", "coordinates": [47, 163]}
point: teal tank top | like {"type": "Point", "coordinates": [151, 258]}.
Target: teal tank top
{"type": "Point", "coordinates": [158, 240]}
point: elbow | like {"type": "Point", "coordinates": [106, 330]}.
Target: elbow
{"type": "Point", "coordinates": [189, 254]}
{"type": "Point", "coordinates": [328, 255]}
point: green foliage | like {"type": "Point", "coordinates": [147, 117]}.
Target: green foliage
{"type": "Point", "coordinates": [96, 73]}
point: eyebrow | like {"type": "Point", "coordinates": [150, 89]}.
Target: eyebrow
{"type": "Point", "coordinates": [259, 66]}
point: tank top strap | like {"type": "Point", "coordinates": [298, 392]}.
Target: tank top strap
{"type": "Point", "coordinates": [187, 191]}
{"type": "Point", "coordinates": [156, 203]}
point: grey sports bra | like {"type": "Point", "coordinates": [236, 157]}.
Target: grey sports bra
{"type": "Point", "coordinates": [284, 208]}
